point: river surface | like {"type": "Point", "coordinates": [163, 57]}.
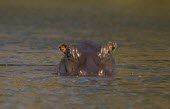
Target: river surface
{"type": "Point", "coordinates": [29, 52]}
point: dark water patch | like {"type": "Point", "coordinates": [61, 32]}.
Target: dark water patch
{"type": "Point", "coordinates": [148, 79]}
{"type": "Point", "coordinates": [13, 42]}
{"type": "Point", "coordinates": [158, 60]}
{"type": "Point", "coordinates": [45, 78]}
{"type": "Point", "coordinates": [138, 67]}
{"type": "Point", "coordinates": [2, 76]}
{"type": "Point", "coordinates": [133, 79]}
{"type": "Point", "coordinates": [10, 89]}
{"type": "Point", "coordinates": [158, 78]}
{"type": "Point", "coordinates": [44, 69]}
{"type": "Point", "coordinates": [13, 64]}
{"type": "Point", "coordinates": [25, 52]}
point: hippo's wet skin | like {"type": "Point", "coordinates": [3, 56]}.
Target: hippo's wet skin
{"type": "Point", "coordinates": [87, 59]}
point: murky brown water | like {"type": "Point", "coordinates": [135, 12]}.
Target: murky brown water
{"type": "Point", "coordinates": [29, 53]}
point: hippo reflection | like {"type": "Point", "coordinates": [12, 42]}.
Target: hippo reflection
{"type": "Point", "coordinates": [87, 59]}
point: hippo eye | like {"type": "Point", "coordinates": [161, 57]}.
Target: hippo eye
{"type": "Point", "coordinates": [75, 52]}
{"type": "Point", "coordinates": [103, 52]}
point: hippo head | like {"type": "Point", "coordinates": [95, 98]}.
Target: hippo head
{"type": "Point", "coordinates": [87, 59]}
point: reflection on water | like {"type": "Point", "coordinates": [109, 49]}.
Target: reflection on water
{"type": "Point", "coordinates": [29, 53]}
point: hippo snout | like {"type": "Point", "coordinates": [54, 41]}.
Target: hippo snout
{"type": "Point", "coordinates": [85, 73]}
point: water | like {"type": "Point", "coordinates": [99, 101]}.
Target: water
{"type": "Point", "coordinates": [29, 52]}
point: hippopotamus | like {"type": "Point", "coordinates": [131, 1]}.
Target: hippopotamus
{"type": "Point", "coordinates": [87, 58]}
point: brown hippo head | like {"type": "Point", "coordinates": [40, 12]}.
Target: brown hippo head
{"type": "Point", "coordinates": [87, 59]}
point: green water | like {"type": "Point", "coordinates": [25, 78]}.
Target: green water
{"type": "Point", "coordinates": [29, 40]}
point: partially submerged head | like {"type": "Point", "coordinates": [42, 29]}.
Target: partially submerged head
{"type": "Point", "coordinates": [87, 59]}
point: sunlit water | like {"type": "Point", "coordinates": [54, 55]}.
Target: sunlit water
{"type": "Point", "coordinates": [29, 53]}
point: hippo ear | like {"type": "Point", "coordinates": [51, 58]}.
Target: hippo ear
{"type": "Point", "coordinates": [63, 47]}
{"type": "Point", "coordinates": [111, 46]}
{"type": "Point", "coordinates": [106, 49]}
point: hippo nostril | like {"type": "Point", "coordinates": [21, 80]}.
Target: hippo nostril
{"type": "Point", "coordinates": [101, 73]}
{"type": "Point", "coordinates": [82, 73]}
